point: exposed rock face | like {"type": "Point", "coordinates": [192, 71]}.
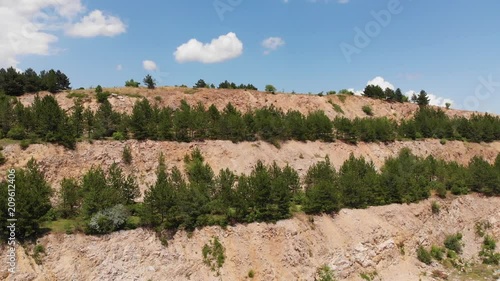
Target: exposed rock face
{"type": "Point", "coordinates": [353, 242]}
{"type": "Point", "coordinates": [58, 162]}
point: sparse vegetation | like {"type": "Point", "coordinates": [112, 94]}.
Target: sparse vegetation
{"type": "Point", "coordinates": [423, 255]}
{"type": "Point", "coordinates": [77, 95]}
{"type": "Point", "coordinates": [324, 273]}
{"type": "Point", "coordinates": [367, 110]}
{"type": "Point", "coordinates": [454, 242]}
{"type": "Point", "coordinates": [38, 251]}
{"type": "Point", "coordinates": [191, 91]}
{"type": "Point", "coordinates": [127, 155]}
{"type": "Point", "coordinates": [481, 227]}
{"type": "Point", "coordinates": [270, 89]}
{"type": "Point", "coordinates": [336, 107]}
{"type": "Point", "coordinates": [132, 83]}
{"type": "Point", "coordinates": [487, 253]}
{"type": "Point", "coordinates": [214, 254]}
{"type": "Point", "coordinates": [369, 276]}
{"type": "Point", "coordinates": [437, 252]}
{"type": "Point", "coordinates": [251, 273]}
{"type": "Point", "coordinates": [436, 208]}
{"type": "Point", "coordinates": [24, 144]}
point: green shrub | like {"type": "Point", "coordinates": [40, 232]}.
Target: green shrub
{"type": "Point", "coordinates": [76, 95]}
{"type": "Point", "coordinates": [336, 107]}
{"type": "Point", "coordinates": [437, 252]}
{"type": "Point", "coordinates": [132, 83]}
{"type": "Point", "coordinates": [454, 242]}
{"type": "Point", "coordinates": [118, 136]}
{"type": "Point", "coordinates": [270, 89]}
{"type": "Point", "coordinates": [214, 254]}
{"type": "Point", "coordinates": [98, 89]}
{"type": "Point", "coordinates": [324, 273]}
{"type": "Point", "coordinates": [440, 189]}
{"type": "Point", "coordinates": [109, 220]}
{"type": "Point", "coordinates": [423, 255]}
{"type": "Point", "coordinates": [251, 273]}
{"type": "Point", "coordinates": [367, 110]}
{"type": "Point", "coordinates": [17, 133]}
{"type": "Point", "coordinates": [481, 227]}
{"type": "Point", "coordinates": [488, 251]}
{"type": "Point", "coordinates": [452, 255]}
{"type": "Point", "coordinates": [342, 98]}
{"type": "Point", "coordinates": [68, 228]}
{"type": "Point", "coordinates": [127, 155]}
{"type": "Point", "coordinates": [2, 159]}
{"type": "Point", "coordinates": [443, 141]}
{"type": "Point", "coordinates": [37, 253]}
{"type": "Point", "coordinates": [24, 144]}
{"type": "Point", "coordinates": [436, 208]}
{"type": "Point", "coordinates": [369, 276]}
{"type": "Point", "coordinates": [102, 96]}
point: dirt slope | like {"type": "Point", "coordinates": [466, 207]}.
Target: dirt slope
{"type": "Point", "coordinates": [123, 100]}
{"type": "Point", "coordinates": [354, 242]}
{"type": "Point", "coordinates": [58, 162]}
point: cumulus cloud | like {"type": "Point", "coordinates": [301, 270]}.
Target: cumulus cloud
{"type": "Point", "coordinates": [149, 65]}
{"type": "Point", "coordinates": [272, 44]}
{"type": "Point", "coordinates": [433, 99]}
{"type": "Point", "coordinates": [30, 26]}
{"type": "Point", "coordinates": [380, 81]}
{"type": "Point", "coordinates": [221, 49]}
{"type": "Point", "coordinates": [97, 24]}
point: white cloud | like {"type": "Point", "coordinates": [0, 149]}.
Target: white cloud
{"type": "Point", "coordinates": [380, 81]}
{"type": "Point", "coordinates": [433, 99]}
{"type": "Point", "coordinates": [224, 48]}
{"type": "Point", "coordinates": [149, 65]}
{"type": "Point", "coordinates": [272, 44]}
{"type": "Point", "coordinates": [97, 24]}
{"type": "Point", "coordinates": [119, 67]}
{"type": "Point", "coordinates": [29, 26]}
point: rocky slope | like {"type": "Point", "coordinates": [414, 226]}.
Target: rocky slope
{"type": "Point", "coordinates": [378, 239]}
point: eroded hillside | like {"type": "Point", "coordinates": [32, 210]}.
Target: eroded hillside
{"type": "Point", "coordinates": [378, 239]}
{"type": "Point", "coordinates": [58, 162]}
{"type": "Point", "coordinates": [123, 99]}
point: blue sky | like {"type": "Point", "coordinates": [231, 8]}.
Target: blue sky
{"type": "Point", "coordinates": [450, 49]}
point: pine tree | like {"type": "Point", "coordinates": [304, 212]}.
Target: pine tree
{"type": "Point", "coordinates": [32, 201]}
{"type": "Point", "coordinates": [149, 82]}
{"type": "Point", "coordinates": [70, 198]}
{"type": "Point", "coordinates": [423, 99]}
{"type": "Point", "coordinates": [159, 198]}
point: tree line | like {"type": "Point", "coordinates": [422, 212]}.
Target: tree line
{"type": "Point", "coordinates": [45, 120]}
{"type": "Point", "coordinates": [105, 200]}
{"type": "Point", "coordinates": [14, 83]}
